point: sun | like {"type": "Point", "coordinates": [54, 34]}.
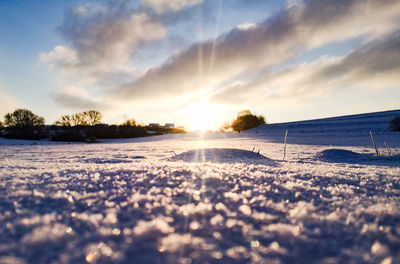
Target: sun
{"type": "Point", "coordinates": [203, 116]}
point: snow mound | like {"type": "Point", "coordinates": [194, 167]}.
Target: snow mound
{"type": "Point", "coordinates": [341, 155]}
{"type": "Point", "coordinates": [223, 155]}
{"type": "Point", "coordinates": [347, 156]}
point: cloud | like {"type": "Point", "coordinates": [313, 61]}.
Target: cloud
{"type": "Point", "coordinates": [78, 102]}
{"type": "Point", "coordinates": [165, 6]}
{"type": "Point", "coordinates": [375, 65]}
{"type": "Point", "coordinates": [60, 57]}
{"type": "Point", "coordinates": [298, 28]}
{"type": "Point", "coordinates": [233, 94]}
{"type": "Point", "coordinates": [102, 41]}
{"type": "Point", "coordinates": [246, 26]}
{"type": "Point", "coordinates": [78, 99]}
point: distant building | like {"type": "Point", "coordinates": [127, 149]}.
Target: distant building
{"type": "Point", "coordinates": [169, 125]}
{"type": "Point", "coordinates": [154, 124]}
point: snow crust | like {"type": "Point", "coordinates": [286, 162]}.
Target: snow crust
{"type": "Point", "coordinates": [152, 201]}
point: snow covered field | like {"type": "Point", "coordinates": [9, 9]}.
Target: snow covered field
{"type": "Point", "coordinates": [206, 199]}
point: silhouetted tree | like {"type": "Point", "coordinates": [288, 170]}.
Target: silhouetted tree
{"type": "Point", "coordinates": [246, 120]}
{"type": "Point", "coordinates": [87, 118]}
{"type": "Point", "coordinates": [64, 120]}
{"type": "Point", "coordinates": [23, 118]}
{"type": "Point", "coordinates": [77, 119]}
{"type": "Point", "coordinates": [394, 124]}
{"type": "Point", "coordinates": [129, 122]}
{"type": "Point", "coordinates": [92, 117]}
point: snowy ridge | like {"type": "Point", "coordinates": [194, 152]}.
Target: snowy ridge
{"type": "Point", "coordinates": [350, 130]}
{"type": "Point", "coordinates": [188, 199]}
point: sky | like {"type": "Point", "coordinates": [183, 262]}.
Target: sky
{"type": "Point", "coordinates": [197, 63]}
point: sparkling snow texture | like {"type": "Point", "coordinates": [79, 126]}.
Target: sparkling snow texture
{"type": "Point", "coordinates": [184, 199]}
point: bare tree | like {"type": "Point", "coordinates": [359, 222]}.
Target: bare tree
{"type": "Point", "coordinates": [87, 118]}
{"type": "Point", "coordinates": [70, 120]}
{"type": "Point", "coordinates": [23, 118]}
{"type": "Point", "coordinates": [92, 117]}
{"type": "Point", "coordinates": [78, 119]}
{"type": "Point", "coordinates": [64, 120]}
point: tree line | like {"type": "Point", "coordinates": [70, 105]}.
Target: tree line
{"type": "Point", "coordinates": [87, 118]}
{"type": "Point", "coordinates": [87, 126]}
{"type": "Point", "coordinates": [83, 126]}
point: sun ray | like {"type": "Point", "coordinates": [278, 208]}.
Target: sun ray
{"type": "Point", "coordinates": [213, 51]}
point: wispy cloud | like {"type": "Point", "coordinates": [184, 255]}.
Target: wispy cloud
{"type": "Point", "coordinates": [78, 102]}
{"type": "Point", "coordinates": [165, 6]}
{"type": "Point", "coordinates": [374, 65]}
{"type": "Point", "coordinates": [78, 98]}
{"type": "Point", "coordinates": [299, 28]}
{"type": "Point", "coordinates": [102, 41]}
